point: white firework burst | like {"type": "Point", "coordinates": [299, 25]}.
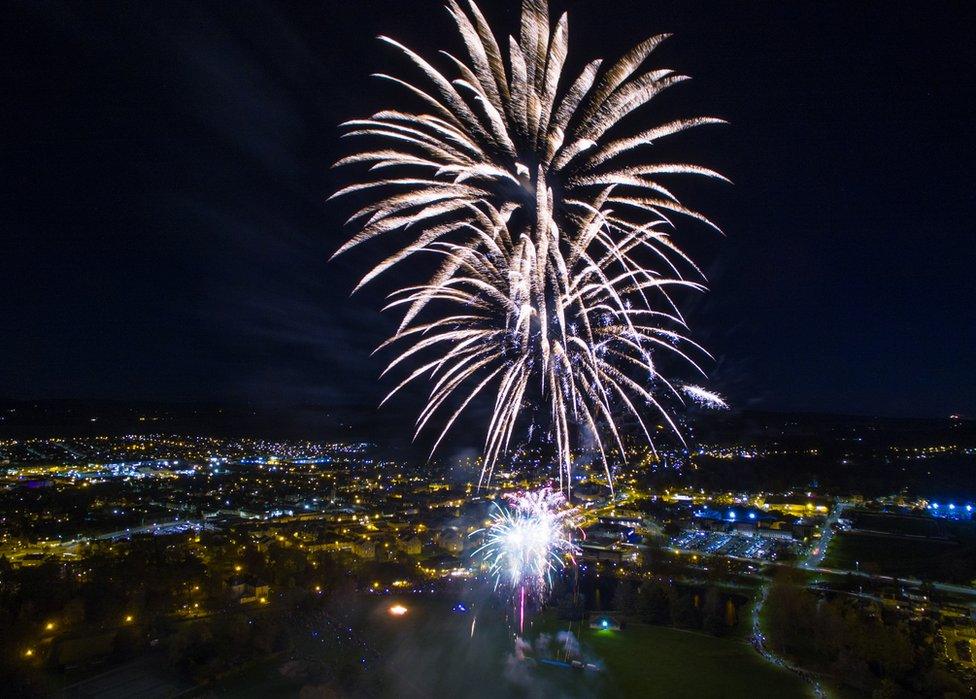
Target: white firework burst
{"type": "Point", "coordinates": [556, 273]}
{"type": "Point", "coordinates": [528, 540]}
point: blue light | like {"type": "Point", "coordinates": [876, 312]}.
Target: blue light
{"type": "Point", "coordinates": [935, 505]}
{"type": "Point", "coordinates": [952, 506]}
{"type": "Point", "coordinates": [752, 515]}
{"type": "Point", "coordinates": [604, 623]}
{"type": "Point", "coordinates": [969, 508]}
{"type": "Point", "coordinates": [731, 514]}
{"type": "Point", "coordinates": [459, 607]}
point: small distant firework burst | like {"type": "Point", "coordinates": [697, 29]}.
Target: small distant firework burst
{"type": "Point", "coordinates": [528, 539]}
{"type": "Point", "coordinates": [550, 227]}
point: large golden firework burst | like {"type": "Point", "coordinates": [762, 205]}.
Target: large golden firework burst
{"type": "Point", "coordinates": [557, 266]}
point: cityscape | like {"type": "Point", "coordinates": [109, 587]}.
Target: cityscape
{"type": "Point", "coordinates": [426, 349]}
{"type": "Point", "coordinates": [159, 564]}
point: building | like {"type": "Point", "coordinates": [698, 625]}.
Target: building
{"type": "Point", "coordinates": [247, 589]}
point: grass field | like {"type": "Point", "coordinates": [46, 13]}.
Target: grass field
{"type": "Point", "coordinates": [434, 652]}
{"type": "Point", "coordinates": [256, 681]}
{"type": "Point", "coordinates": [894, 524]}
{"type": "Point", "coordinates": [898, 557]}
{"type": "Point", "coordinates": [653, 661]}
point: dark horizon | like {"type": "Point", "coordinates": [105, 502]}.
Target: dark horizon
{"type": "Point", "coordinates": [353, 409]}
{"type": "Point", "coordinates": [319, 422]}
{"type": "Point", "coordinates": [167, 234]}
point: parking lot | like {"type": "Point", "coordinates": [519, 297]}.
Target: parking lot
{"type": "Point", "coordinates": [757, 547]}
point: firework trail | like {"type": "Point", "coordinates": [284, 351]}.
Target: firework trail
{"type": "Point", "coordinates": [550, 227]}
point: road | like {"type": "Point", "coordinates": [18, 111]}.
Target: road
{"type": "Point", "coordinates": [914, 582]}
{"type": "Point", "coordinates": [589, 516]}
{"type": "Point", "coordinates": [814, 561]}
{"type": "Point", "coordinates": [818, 552]}
{"type": "Point", "coordinates": [157, 528]}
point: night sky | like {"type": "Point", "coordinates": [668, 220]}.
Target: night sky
{"type": "Point", "coordinates": [166, 166]}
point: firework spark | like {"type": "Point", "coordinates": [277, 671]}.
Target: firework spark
{"type": "Point", "coordinates": [556, 271]}
{"type": "Point", "coordinates": [704, 397]}
{"type": "Point", "coordinates": [528, 539]}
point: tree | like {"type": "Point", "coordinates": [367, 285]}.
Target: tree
{"type": "Point", "coordinates": [625, 598]}
{"type": "Point", "coordinates": [731, 614]}
{"type": "Point", "coordinates": [888, 690]}
{"type": "Point", "coordinates": [73, 613]}
{"type": "Point", "coordinates": [713, 613]}
{"type": "Point", "coordinates": [652, 603]}
{"type": "Point", "coordinates": [789, 613]}
{"type": "Point", "coordinates": [683, 612]}
{"type": "Point", "coordinates": [571, 607]}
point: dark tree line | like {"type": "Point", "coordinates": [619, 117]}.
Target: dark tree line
{"type": "Point", "coordinates": [857, 642]}
{"type": "Point", "coordinates": [707, 609]}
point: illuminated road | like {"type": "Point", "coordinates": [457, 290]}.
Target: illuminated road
{"type": "Point", "coordinates": [914, 582]}
{"type": "Point", "coordinates": [589, 517]}
{"type": "Point", "coordinates": [814, 561]}
{"type": "Point", "coordinates": [157, 528]}
{"type": "Point", "coordinates": [818, 552]}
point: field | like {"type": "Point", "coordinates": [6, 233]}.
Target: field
{"type": "Point", "coordinates": [434, 651]}
{"type": "Point", "coordinates": [900, 557]}
{"type": "Point", "coordinates": [897, 524]}
{"type": "Point", "coordinates": [651, 661]}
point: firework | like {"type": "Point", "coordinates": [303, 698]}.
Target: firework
{"type": "Point", "coordinates": [704, 397]}
{"type": "Point", "coordinates": [556, 273]}
{"type": "Point", "coordinates": [528, 539]}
